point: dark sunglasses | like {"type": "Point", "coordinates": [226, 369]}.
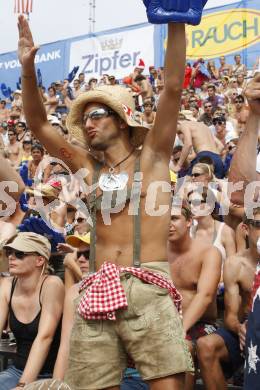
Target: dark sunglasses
{"type": "Point", "coordinates": [196, 202]}
{"type": "Point", "coordinates": [83, 253]}
{"type": "Point", "coordinates": [239, 101]}
{"type": "Point", "coordinates": [27, 142]}
{"type": "Point", "coordinates": [209, 106]}
{"type": "Point", "coordinates": [254, 223]}
{"type": "Point", "coordinates": [196, 174]}
{"type": "Point", "coordinates": [219, 123]}
{"type": "Point", "coordinates": [97, 114]}
{"type": "Point", "coordinates": [18, 254]}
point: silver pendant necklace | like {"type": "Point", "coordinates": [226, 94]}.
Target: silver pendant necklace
{"type": "Point", "coordinates": [112, 181]}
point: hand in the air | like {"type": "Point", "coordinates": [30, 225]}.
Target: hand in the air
{"type": "Point", "coordinates": [253, 94]}
{"type": "Point", "coordinates": [26, 48]}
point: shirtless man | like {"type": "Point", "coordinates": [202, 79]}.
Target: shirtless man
{"type": "Point", "coordinates": [240, 113]}
{"type": "Point", "coordinates": [220, 353]}
{"type": "Point", "coordinates": [102, 119]}
{"type": "Point", "coordinates": [195, 269]}
{"type": "Point", "coordinates": [14, 148]}
{"type": "Point", "coordinates": [148, 116]}
{"type": "Point", "coordinates": [146, 90]}
{"type": "Point", "coordinates": [224, 69]}
{"type": "Point", "coordinates": [198, 136]}
{"type": "Point", "coordinates": [244, 169]}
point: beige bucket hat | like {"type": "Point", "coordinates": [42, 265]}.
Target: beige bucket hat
{"type": "Point", "coordinates": [117, 98]}
{"type": "Point", "coordinates": [30, 242]}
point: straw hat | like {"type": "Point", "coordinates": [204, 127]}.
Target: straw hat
{"type": "Point", "coordinates": [117, 98]}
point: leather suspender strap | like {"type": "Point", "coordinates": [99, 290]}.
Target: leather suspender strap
{"type": "Point", "coordinates": [137, 213]}
{"type": "Point", "coordinates": [93, 212]}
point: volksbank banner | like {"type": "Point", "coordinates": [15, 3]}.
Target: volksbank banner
{"type": "Point", "coordinates": [50, 59]}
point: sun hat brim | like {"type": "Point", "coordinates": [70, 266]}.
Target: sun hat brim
{"type": "Point", "coordinates": [118, 99]}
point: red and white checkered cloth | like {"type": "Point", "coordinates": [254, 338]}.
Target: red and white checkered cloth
{"type": "Point", "coordinates": [105, 294]}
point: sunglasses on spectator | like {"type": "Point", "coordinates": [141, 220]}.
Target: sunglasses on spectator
{"type": "Point", "coordinates": [219, 123]}
{"type": "Point", "coordinates": [239, 101]}
{"type": "Point", "coordinates": [80, 220]}
{"type": "Point", "coordinates": [254, 223]}
{"type": "Point", "coordinates": [209, 106]}
{"type": "Point", "coordinates": [83, 253]}
{"type": "Point", "coordinates": [18, 254]}
{"type": "Point", "coordinates": [27, 142]}
{"type": "Point", "coordinates": [97, 114]}
{"type": "Point", "coordinates": [196, 202]}
{"type": "Point", "coordinates": [196, 174]}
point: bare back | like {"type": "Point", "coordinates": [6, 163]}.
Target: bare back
{"type": "Point", "coordinates": [202, 137]}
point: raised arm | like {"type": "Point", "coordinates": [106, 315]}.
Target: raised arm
{"type": "Point", "coordinates": [243, 165]}
{"type": "Point", "coordinates": [8, 173]}
{"type": "Point", "coordinates": [34, 110]}
{"type": "Point", "coordinates": [161, 138]}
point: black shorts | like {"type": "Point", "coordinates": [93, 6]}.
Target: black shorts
{"type": "Point", "coordinates": [236, 360]}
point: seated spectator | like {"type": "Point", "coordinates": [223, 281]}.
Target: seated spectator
{"type": "Point", "coordinates": [207, 116]}
{"type": "Point", "coordinates": [207, 227]}
{"type": "Point", "coordinates": [198, 136]}
{"type": "Point", "coordinates": [14, 148]}
{"type": "Point", "coordinates": [224, 69]}
{"type": "Point", "coordinates": [195, 269]}
{"type": "Point", "coordinates": [213, 71]}
{"type": "Point", "coordinates": [221, 353]}
{"type": "Point", "coordinates": [238, 67]}
{"type": "Point", "coordinates": [148, 115]}
{"type": "Point", "coordinates": [51, 102]}
{"type": "Point", "coordinates": [33, 303]}
{"type": "Point", "coordinates": [240, 113]}
{"type": "Point", "coordinates": [213, 98]}
{"type": "Point", "coordinates": [4, 112]}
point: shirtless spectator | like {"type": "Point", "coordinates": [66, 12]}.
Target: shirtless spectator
{"type": "Point", "coordinates": [21, 130]}
{"type": "Point", "coordinates": [207, 116]}
{"type": "Point", "coordinates": [241, 83]}
{"type": "Point", "coordinates": [4, 133]}
{"type": "Point", "coordinates": [195, 269]}
{"type": "Point", "coordinates": [224, 69]}
{"type": "Point", "coordinates": [37, 152]}
{"type": "Point", "coordinates": [238, 68]}
{"type": "Point", "coordinates": [198, 136]}
{"type": "Point", "coordinates": [76, 90]}
{"type": "Point", "coordinates": [148, 116]}
{"type": "Point", "coordinates": [14, 148]}
{"type": "Point", "coordinates": [4, 112]}
{"type": "Point", "coordinates": [146, 90]}
{"type": "Point", "coordinates": [51, 102]}
{"type": "Point", "coordinates": [220, 354]}
{"type": "Point", "coordinates": [240, 113]}
{"type": "Point", "coordinates": [17, 102]}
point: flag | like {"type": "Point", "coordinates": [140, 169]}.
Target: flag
{"type": "Point", "coordinates": [23, 6]}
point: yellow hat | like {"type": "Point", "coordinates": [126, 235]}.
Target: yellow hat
{"type": "Point", "coordinates": [173, 177]}
{"type": "Point", "coordinates": [47, 190]}
{"type": "Point", "coordinates": [75, 240]}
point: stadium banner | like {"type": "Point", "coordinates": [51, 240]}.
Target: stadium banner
{"type": "Point", "coordinates": [50, 59]}
{"type": "Point", "coordinates": [115, 53]}
{"type": "Point", "coordinates": [226, 30]}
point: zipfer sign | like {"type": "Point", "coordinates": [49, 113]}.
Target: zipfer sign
{"type": "Point", "coordinates": [223, 33]}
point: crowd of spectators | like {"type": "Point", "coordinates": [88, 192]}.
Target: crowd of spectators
{"type": "Point", "coordinates": [212, 118]}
